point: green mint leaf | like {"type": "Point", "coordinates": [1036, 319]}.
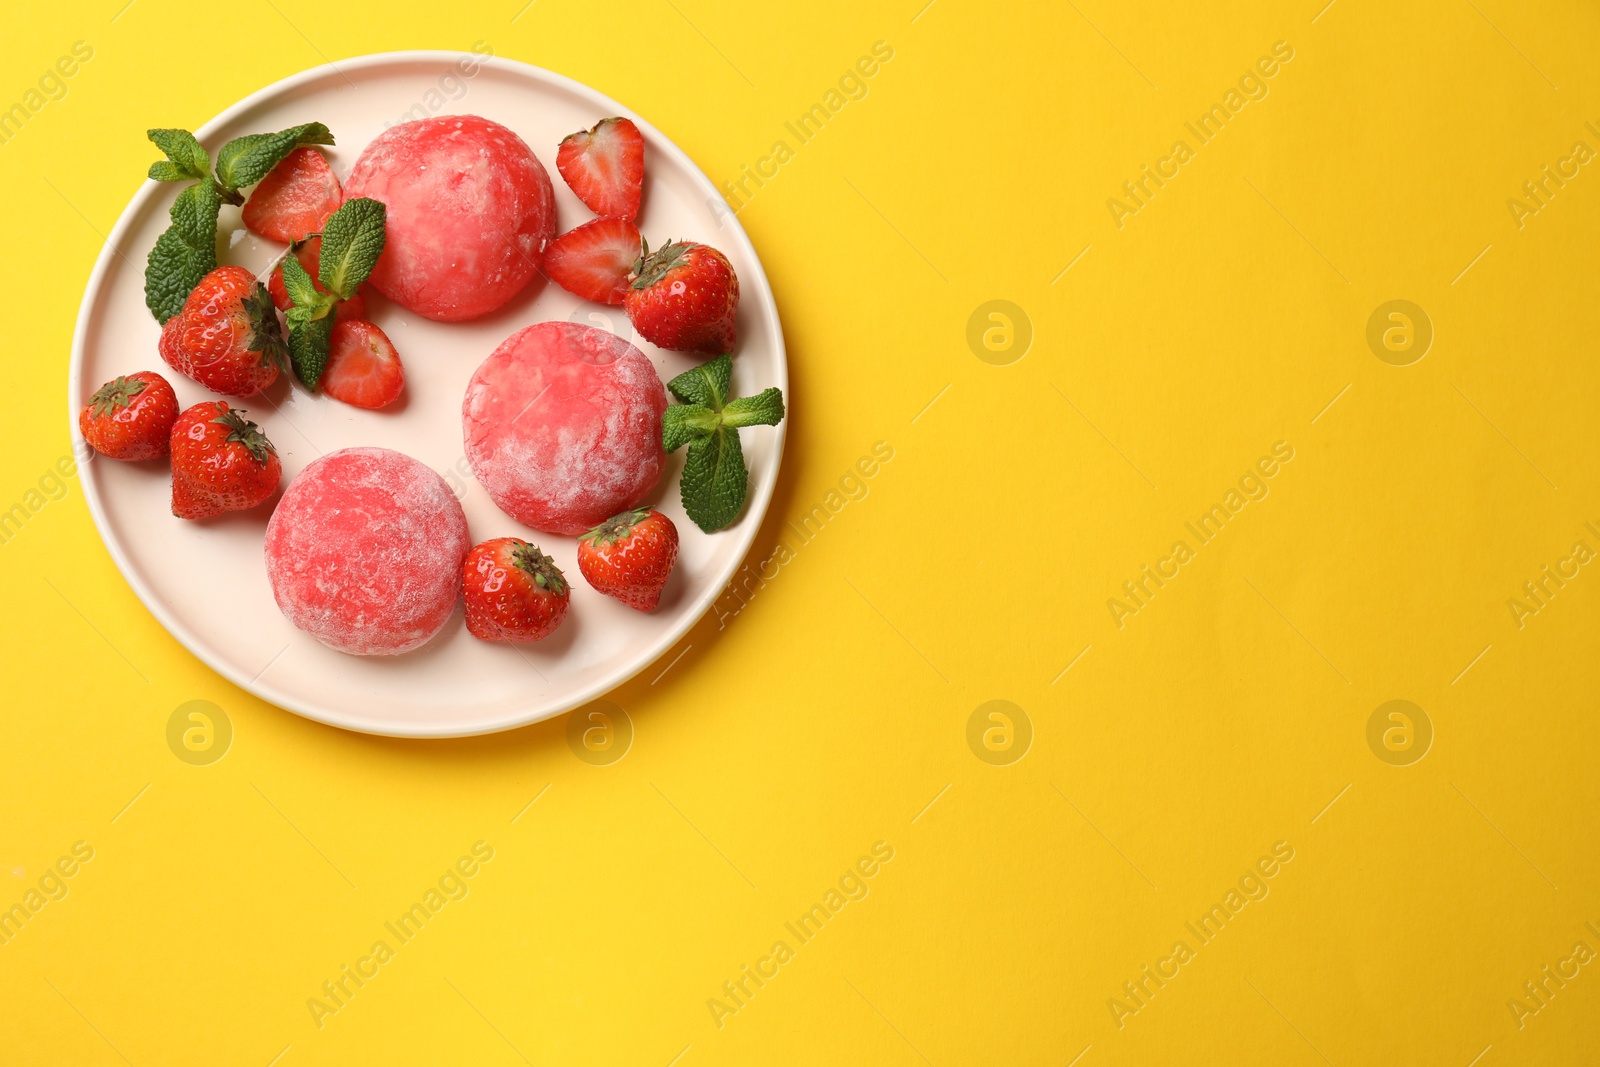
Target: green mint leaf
{"type": "Point", "coordinates": [245, 160]}
{"type": "Point", "coordinates": [707, 384]}
{"type": "Point", "coordinates": [683, 423]}
{"type": "Point", "coordinates": [185, 253]}
{"type": "Point", "coordinates": [714, 480]}
{"type": "Point", "coordinates": [164, 170]}
{"type": "Point", "coordinates": [302, 314]}
{"type": "Point", "coordinates": [194, 215]}
{"type": "Point", "coordinates": [185, 158]}
{"type": "Point", "coordinates": [763, 409]}
{"type": "Point", "coordinates": [297, 282]}
{"type": "Point", "coordinates": [352, 240]}
{"type": "Point", "coordinates": [308, 347]}
{"type": "Point", "coordinates": [173, 269]}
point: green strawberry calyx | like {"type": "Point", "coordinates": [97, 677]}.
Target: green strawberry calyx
{"type": "Point", "coordinates": [115, 395]}
{"type": "Point", "coordinates": [546, 575]}
{"type": "Point", "coordinates": [617, 527]}
{"type": "Point", "coordinates": [265, 335]}
{"type": "Point", "coordinates": [651, 267]}
{"type": "Point", "coordinates": [244, 432]}
{"type": "Point", "coordinates": [708, 419]}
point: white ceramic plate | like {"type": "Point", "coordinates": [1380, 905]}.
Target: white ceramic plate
{"type": "Point", "coordinates": [456, 685]}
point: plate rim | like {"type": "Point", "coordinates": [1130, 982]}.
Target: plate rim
{"type": "Point", "coordinates": [755, 508]}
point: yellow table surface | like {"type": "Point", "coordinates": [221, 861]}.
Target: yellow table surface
{"type": "Point", "coordinates": [1197, 832]}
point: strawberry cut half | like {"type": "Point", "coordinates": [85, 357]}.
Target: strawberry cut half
{"type": "Point", "coordinates": [605, 167]}
{"type": "Point", "coordinates": [595, 260]}
{"type": "Point", "coordinates": [363, 368]}
{"type": "Point", "coordinates": [295, 199]}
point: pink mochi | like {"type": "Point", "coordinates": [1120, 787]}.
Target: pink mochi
{"type": "Point", "coordinates": [365, 550]}
{"type": "Point", "coordinates": [470, 210]}
{"type": "Point", "coordinates": [563, 426]}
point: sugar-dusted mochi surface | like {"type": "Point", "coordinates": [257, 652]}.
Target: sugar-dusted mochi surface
{"type": "Point", "coordinates": [470, 210]}
{"type": "Point", "coordinates": [563, 426]}
{"type": "Point", "coordinates": [364, 551]}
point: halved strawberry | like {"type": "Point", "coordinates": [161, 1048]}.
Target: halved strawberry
{"type": "Point", "coordinates": [605, 167]}
{"type": "Point", "coordinates": [595, 260]}
{"type": "Point", "coordinates": [309, 253]}
{"type": "Point", "coordinates": [295, 199]}
{"type": "Point", "coordinates": [363, 367]}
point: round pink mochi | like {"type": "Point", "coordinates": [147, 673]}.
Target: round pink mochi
{"type": "Point", "coordinates": [364, 552]}
{"type": "Point", "coordinates": [470, 210]}
{"type": "Point", "coordinates": [563, 426]}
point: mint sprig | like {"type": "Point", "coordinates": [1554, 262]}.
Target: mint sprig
{"type": "Point", "coordinates": [352, 240]}
{"type": "Point", "coordinates": [187, 250]}
{"type": "Point", "coordinates": [715, 480]}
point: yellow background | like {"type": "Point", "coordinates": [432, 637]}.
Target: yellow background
{"type": "Point", "coordinates": [826, 715]}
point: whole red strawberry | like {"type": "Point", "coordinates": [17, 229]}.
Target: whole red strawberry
{"type": "Point", "coordinates": [684, 297]}
{"type": "Point", "coordinates": [227, 336]}
{"type": "Point", "coordinates": [220, 462]}
{"type": "Point", "coordinates": [130, 417]}
{"type": "Point", "coordinates": [629, 556]}
{"type": "Point", "coordinates": [513, 591]}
